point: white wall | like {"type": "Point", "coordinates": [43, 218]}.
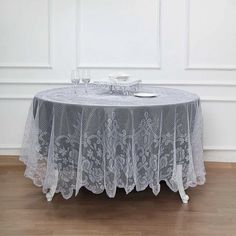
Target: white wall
{"type": "Point", "coordinates": [186, 44]}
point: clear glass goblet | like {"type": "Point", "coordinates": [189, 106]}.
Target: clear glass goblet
{"type": "Point", "coordinates": [75, 79]}
{"type": "Point", "coordinates": [86, 79]}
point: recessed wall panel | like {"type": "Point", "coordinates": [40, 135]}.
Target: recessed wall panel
{"type": "Point", "coordinates": [24, 33]}
{"type": "Point", "coordinates": [118, 33]}
{"type": "Point", "coordinates": [211, 34]}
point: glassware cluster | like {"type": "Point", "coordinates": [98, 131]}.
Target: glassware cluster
{"type": "Point", "coordinates": [80, 74]}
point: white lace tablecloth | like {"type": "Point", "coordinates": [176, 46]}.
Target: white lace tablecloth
{"type": "Point", "coordinates": [103, 141]}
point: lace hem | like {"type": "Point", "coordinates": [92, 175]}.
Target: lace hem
{"type": "Point", "coordinates": [73, 190]}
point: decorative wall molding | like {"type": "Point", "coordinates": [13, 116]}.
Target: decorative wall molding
{"type": "Point", "coordinates": [51, 82]}
{"type": "Point", "coordinates": [160, 82]}
{"type": "Point", "coordinates": [194, 83]}
{"type": "Point", "coordinates": [211, 153]}
{"type": "Point", "coordinates": [218, 99]}
{"type": "Point", "coordinates": [203, 99]}
{"type": "Point", "coordinates": [26, 66]}
{"type": "Point", "coordinates": [205, 148]}
{"type": "Point", "coordinates": [34, 82]}
{"type": "Point", "coordinates": [213, 67]}
{"type": "Point", "coordinates": [9, 97]}
{"type": "Point", "coordinates": [48, 65]}
{"type": "Point", "coordinates": [189, 66]}
{"type": "Point", "coordinates": [115, 66]}
{"type": "Point", "coordinates": [219, 148]}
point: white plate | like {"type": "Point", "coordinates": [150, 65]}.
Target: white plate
{"type": "Point", "coordinates": [145, 95]}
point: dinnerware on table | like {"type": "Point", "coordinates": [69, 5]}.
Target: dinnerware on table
{"type": "Point", "coordinates": [145, 95]}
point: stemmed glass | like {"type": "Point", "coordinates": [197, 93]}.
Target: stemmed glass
{"type": "Point", "coordinates": [75, 79]}
{"type": "Point", "coordinates": [86, 79]}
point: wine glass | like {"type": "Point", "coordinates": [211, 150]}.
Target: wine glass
{"type": "Point", "coordinates": [86, 79]}
{"type": "Point", "coordinates": [75, 79]}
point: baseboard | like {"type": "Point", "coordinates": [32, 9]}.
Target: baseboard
{"type": "Point", "coordinates": [218, 155]}
{"type": "Point", "coordinates": [9, 151]}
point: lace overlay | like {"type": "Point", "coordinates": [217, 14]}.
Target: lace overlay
{"type": "Point", "coordinates": [105, 147]}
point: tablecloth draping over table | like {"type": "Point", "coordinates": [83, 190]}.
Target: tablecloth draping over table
{"type": "Point", "coordinates": [103, 141]}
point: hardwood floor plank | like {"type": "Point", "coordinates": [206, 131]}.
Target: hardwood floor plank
{"type": "Point", "coordinates": [25, 211]}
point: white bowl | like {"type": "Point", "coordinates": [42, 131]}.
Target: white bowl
{"type": "Point", "coordinates": [119, 77]}
{"type": "Point", "coordinates": [122, 77]}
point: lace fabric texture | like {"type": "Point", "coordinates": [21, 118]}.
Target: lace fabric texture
{"type": "Point", "coordinates": [102, 142]}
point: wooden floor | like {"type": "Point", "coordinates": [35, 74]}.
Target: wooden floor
{"type": "Point", "coordinates": [25, 211]}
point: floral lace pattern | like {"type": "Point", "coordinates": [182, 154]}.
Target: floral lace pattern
{"type": "Point", "coordinates": [105, 148]}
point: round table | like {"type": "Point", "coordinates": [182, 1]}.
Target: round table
{"type": "Point", "coordinates": [102, 141]}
